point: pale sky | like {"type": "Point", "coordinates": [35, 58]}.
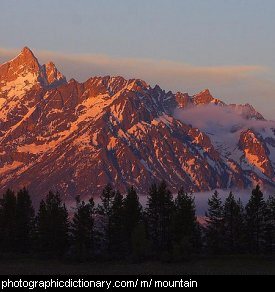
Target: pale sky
{"type": "Point", "coordinates": [225, 45]}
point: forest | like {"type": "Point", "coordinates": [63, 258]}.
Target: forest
{"type": "Point", "coordinates": [166, 229]}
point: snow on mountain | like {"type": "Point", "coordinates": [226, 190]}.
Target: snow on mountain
{"type": "Point", "coordinates": [243, 138]}
{"type": "Point", "coordinates": [77, 137]}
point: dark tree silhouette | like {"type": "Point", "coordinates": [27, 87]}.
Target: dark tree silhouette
{"type": "Point", "coordinates": [24, 221]}
{"type": "Point", "coordinates": [159, 214]}
{"type": "Point", "coordinates": [119, 229]}
{"type": "Point", "coordinates": [117, 237]}
{"type": "Point", "coordinates": [82, 230]}
{"type": "Point", "coordinates": [256, 211]}
{"type": "Point", "coordinates": [52, 226]}
{"type": "Point", "coordinates": [215, 225]}
{"type": "Point", "coordinates": [270, 225]}
{"type": "Point", "coordinates": [185, 224]}
{"type": "Point", "coordinates": [132, 217]}
{"type": "Point", "coordinates": [8, 221]}
{"type": "Point", "coordinates": [104, 210]}
{"type": "Point", "coordinates": [185, 220]}
{"type": "Point", "coordinates": [233, 217]}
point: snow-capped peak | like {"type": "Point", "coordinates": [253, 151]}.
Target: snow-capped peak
{"type": "Point", "coordinates": [23, 72]}
{"type": "Point", "coordinates": [80, 136]}
{"type": "Point", "coordinates": [19, 77]}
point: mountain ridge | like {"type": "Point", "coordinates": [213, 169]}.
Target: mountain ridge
{"type": "Point", "coordinates": [77, 137]}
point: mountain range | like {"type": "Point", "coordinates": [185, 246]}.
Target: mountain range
{"type": "Point", "coordinates": [77, 137]}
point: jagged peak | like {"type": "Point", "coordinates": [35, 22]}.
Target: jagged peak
{"type": "Point", "coordinates": [26, 67]}
{"type": "Point", "coordinates": [137, 84]}
{"type": "Point", "coordinates": [205, 92]}
{"type": "Point", "coordinates": [50, 65]}
{"type": "Point", "coordinates": [117, 78]}
{"type": "Point", "coordinates": [114, 84]}
{"type": "Point", "coordinates": [26, 51]}
{"type": "Point", "coordinates": [53, 76]}
{"type": "Point", "coordinates": [247, 111]}
{"type": "Point", "coordinates": [158, 88]}
{"type": "Point", "coordinates": [24, 70]}
{"type": "Point", "coordinates": [204, 97]}
{"type": "Point", "coordinates": [183, 94]}
{"type": "Point", "coordinates": [27, 57]}
{"type": "Point", "coordinates": [247, 105]}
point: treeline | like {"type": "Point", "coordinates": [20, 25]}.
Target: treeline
{"type": "Point", "coordinates": [120, 228]}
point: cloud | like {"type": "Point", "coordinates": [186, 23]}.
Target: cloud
{"type": "Point", "coordinates": [238, 83]}
{"type": "Point", "coordinates": [219, 120]}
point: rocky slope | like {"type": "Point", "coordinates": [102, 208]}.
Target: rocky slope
{"type": "Point", "coordinates": [77, 137]}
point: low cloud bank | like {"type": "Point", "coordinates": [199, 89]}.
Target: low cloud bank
{"type": "Point", "coordinates": [218, 119]}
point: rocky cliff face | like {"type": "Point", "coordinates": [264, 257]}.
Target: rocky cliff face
{"type": "Point", "coordinates": [77, 137]}
{"type": "Point", "coordinates": [255, 152]}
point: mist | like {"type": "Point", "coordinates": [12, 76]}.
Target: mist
{"type": "Point", "coordinates": [219, 119]}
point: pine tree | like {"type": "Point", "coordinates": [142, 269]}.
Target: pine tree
{"type": "Point", "coordinates": [24, 221]}
{"type": "Point", "coordinates": [8, 221]}
{"type": "Point", "coordinates": [185, 223]}
{"type": "Point", "coordinates": [233, 225]}
{"type": "Point", "coordinates": [241, 231]}
{"type": "Point", "coordinates": [270, 225]}
{"type": "Point", "coordinates": [104, 210]}
{"type": "Point", "coordinates": [117, 236]}
{"type": "Point", "coordinates": [82, 229]}
{"type": "Point", "coordinates": [132, 216]}
{"type": "Point", "coordinates": [159, 214]}
{"type": "Point", "coordinates": [42, 229]}
{"type": "Point", "coordinates": [52, 226]}
{"type": "Point", "coordinates": [256, 210]}
{"type": "Point", "coordinates": [215, 225]}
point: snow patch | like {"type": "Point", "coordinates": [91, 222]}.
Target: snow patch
{"type": "Point", "coordinates": [20, 85]}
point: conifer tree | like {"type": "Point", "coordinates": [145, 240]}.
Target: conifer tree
{"type": "Point", "coordinates": [215, 224]}
{"type": "Point", "coordinates": [52, 226]}
{"type": "Point", "coordinates": [82, 229]}
{"type": "Point", "coordinates": [256, 211]}
{"type": "Point", "coordinates": [233, 217]}
{"type": "Point", "coordinates": [8, 221]}
{"type": "Point", "coordinates": [270, 225]}
{"type": "Point", "coordinates": [104, 210]}
{"type": "Point", "coordinates": [185, 223]}
{"type": "Point", "coordinates": [117, 236]}
{"type": "Point", "coordinates": [24, 221]}
{"type": "Point", "coordinates": [159, 214]}
{"type": "Point", "coordinates": [132, 216]}
{"type": "Point", "coordinates": [241, 231]}
{"type": "Point", "coordinates": [42, 229]}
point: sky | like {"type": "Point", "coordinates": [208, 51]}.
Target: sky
{"type": "Point", "coordinates": [184, 45]}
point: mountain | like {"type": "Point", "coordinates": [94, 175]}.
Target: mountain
{"type": "Point", "coordinates": [77, 137]}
